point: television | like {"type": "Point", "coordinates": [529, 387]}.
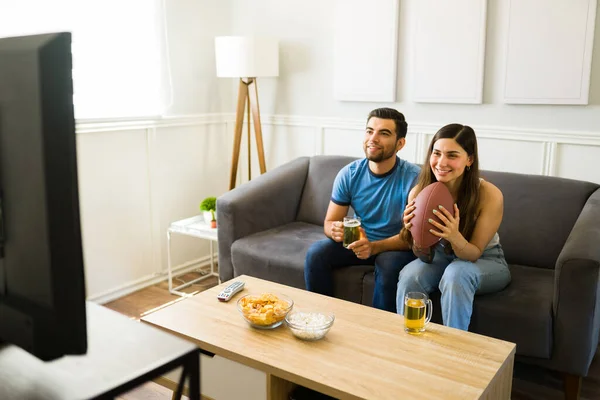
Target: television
{"type": "Point", "coordinates": [42, 286]}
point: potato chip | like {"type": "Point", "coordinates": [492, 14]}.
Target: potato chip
{"type": "Point", "coordinates": [265, 309]}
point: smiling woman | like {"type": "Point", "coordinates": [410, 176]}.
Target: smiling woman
{"type": "Point", "coordinates": [117, 51]}
{"type": "Point", "coordinates": [468, 259]}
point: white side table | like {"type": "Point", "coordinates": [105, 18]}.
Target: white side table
{"type": "Point", "coordinates": [196, 227]}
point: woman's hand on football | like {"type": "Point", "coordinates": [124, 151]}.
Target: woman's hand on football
{"type": "Point", "coordinates": [408, 214]}
{"type": "Point", "coordinates": [449, 229]}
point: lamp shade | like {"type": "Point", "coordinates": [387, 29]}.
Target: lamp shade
{"type": "Point", "coordinates": [246, 57]}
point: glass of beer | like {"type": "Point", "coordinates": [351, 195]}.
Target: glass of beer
{"type": "Point", "coordinates": [414, 312]}
{"type": "Point", "coordinates": [351, 231]}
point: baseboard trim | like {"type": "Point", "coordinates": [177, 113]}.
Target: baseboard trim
{"type": "Point", "coordinates": [124, 290]}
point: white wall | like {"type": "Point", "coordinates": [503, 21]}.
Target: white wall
{"type": "Point", "coordinates": [136, 177]}
{"type": "Point", "coordinates": [155, 172]}
{"type": "Point", "coordinates": [134, 180]}
{"type": "Point", "coordinates": [191, 28]}
{"type": "Point", "coordinates": [305, 85]}
{"type": "Point", "coordinates": [539, 138]}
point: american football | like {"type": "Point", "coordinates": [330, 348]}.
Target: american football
{"type": "Point", "coordinates": [431, 197]}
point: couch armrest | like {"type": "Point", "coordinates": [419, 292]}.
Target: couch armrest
{"type": "Point", "coordinates": [576, 302]}
{"type": "Point", "coordinates": [265, 202]}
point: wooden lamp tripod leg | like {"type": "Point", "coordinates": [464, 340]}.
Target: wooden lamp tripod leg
{"type": "Point", "coordinates": [249, 141]}
{"type": "Point", "coordinates": [253, 98]}
{"type": "Point", "coordinates": [237, 140]}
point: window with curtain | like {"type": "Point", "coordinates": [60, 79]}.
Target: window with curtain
{"type": "Point", "coordinates": [118, 45]}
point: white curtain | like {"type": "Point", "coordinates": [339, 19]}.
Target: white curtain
{"type": "Point", "coordinates": [119, 62]}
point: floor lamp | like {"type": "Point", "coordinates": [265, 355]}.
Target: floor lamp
{"type": "Point", "coordinates": [246, 58]}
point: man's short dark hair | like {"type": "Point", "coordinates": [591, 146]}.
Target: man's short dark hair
{"type": "Point", "coordinates": [390, 113]}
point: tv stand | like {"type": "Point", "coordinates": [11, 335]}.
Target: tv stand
{"type": "Point", "coordinates": [121, 355]}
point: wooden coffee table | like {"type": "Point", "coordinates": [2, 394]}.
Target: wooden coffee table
{"type": "Point", "coordinates": [365, 355]}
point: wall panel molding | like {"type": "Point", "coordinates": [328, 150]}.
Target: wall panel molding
{"type": "Point", "coordinates": [549, 165]}
{"type": "Point", "coordinates": [365, 50]}
{"type": "Point", "coordinates": [113, 125]}
{"type": "Point", "coordinates": [497, 132]}
{"type": "Point", "coordinates": [550, 64]}
{"type": "Point", "coordinates": [549, 139]}
{"type": "Point", "coordinates": [449, 51]}
{"type": "Point", "coordinates": [321, 124]}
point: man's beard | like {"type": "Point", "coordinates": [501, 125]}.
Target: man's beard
{"type": "Point", "coordinates": [380, 156]}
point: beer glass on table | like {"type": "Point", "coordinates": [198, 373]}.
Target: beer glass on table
{"type": "Point", "coordinates": [415, 319]}
{"type": "Point", "coordinates": [351, 230]}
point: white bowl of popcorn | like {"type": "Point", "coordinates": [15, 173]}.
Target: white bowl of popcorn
{"type": "Point", "coordinates": [309, 325]}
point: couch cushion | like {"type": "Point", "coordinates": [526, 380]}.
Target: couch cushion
{"type": "Point", "coordinates": [319, 184]}
{"type": "Point", "coordinates": [539, 213]}
{"type": "Point", "coordinates": [349, 284]}
{"type": "Point", "coordinates": [368, 287]}
{"type": "Point", "coordinates": [521, 313]}
{"type": "Point", "coordinates": [276, 254]}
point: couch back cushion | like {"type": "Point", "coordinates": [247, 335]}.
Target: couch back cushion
{"type": "Point", "coordinates": [322, 171]}
{"type": "Point", "coordinates": [539, 213]}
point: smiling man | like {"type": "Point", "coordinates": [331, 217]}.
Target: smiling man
{"type": "Point", "coordinates": [377, 188]}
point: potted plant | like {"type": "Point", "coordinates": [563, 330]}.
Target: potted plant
{"type": "Point", "coordinates": [209, 207]}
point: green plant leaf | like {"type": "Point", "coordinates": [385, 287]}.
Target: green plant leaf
{"type": "Point", "coordinates": [209, 204]}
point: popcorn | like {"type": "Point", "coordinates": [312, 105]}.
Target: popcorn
{"type": "Point", "coordinates": [309, 325]}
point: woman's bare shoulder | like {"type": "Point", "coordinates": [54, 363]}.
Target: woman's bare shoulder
{"type": "Point", "coordinates": [490, 194]}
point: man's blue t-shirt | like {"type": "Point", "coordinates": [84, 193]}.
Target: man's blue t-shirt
{"type": "Point", "coordinates": [379, 200]}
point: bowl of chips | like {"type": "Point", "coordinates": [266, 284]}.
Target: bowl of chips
{"type": "Point", "coordinates": [266, 310]}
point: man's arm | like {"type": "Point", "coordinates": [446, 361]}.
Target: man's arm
{"type": "Point", "coordinates": [333, 226]}
{"type": "Point", "coordinates": [365, 249]}
{"type": "Point", "coordinates": [389, 244]}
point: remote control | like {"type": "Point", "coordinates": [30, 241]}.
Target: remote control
{"type": "Point", "coordinates": [230, 291]}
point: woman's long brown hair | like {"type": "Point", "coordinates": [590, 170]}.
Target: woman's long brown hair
{"type": "Point", "coordinates": [468, 192]}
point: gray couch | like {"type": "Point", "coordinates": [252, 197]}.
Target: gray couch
{"type": "Point", "coordinates": [550, 234]}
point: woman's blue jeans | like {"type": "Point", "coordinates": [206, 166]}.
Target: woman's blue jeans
{"type": "Point", "coordinates": [326, 255]}
{"type": "Point", "coordinates": [458, 280]}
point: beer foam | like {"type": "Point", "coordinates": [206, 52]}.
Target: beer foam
{"type": "Point", "coordinates": [351, 224]}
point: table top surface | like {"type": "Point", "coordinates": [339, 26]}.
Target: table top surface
{"type": "Point", "coordinates": [194, 226]}
{"type": "Point", "coordinates": [366, 354]}
{"type": "Point", "coordinates": [119, 350]}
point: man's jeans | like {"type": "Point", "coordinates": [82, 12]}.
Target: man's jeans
{"type": "Point", "coordinates": [326, 255]}
{"type": "Point", "coordinates": [458, 280]}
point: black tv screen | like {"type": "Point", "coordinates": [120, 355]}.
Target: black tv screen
{"type": "Point", "coordinates": [42, 286]}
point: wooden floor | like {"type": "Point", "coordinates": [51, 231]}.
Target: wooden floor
{"type": "Point", "coordinates": [529, 382]}
{"type": "Point", "coordinates": [147, 300]}
{"type": "Point", "coordinates": [143, 302]}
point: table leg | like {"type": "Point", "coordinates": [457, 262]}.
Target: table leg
{"type": "Point", "coordinates": [176, 290]}
{"type": "Point", "coordinates": [501, 385]}
{"type": "Point", "coordinates": [212, 259]}
{"type": "Point", "coordinates": [278, 388]}
{"type": "Point", "coordinates": [194, 372]}
{"type": "Point", "coordinates": [179, 390]}
{"type": "Point", "coordinates": [169, 262]}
